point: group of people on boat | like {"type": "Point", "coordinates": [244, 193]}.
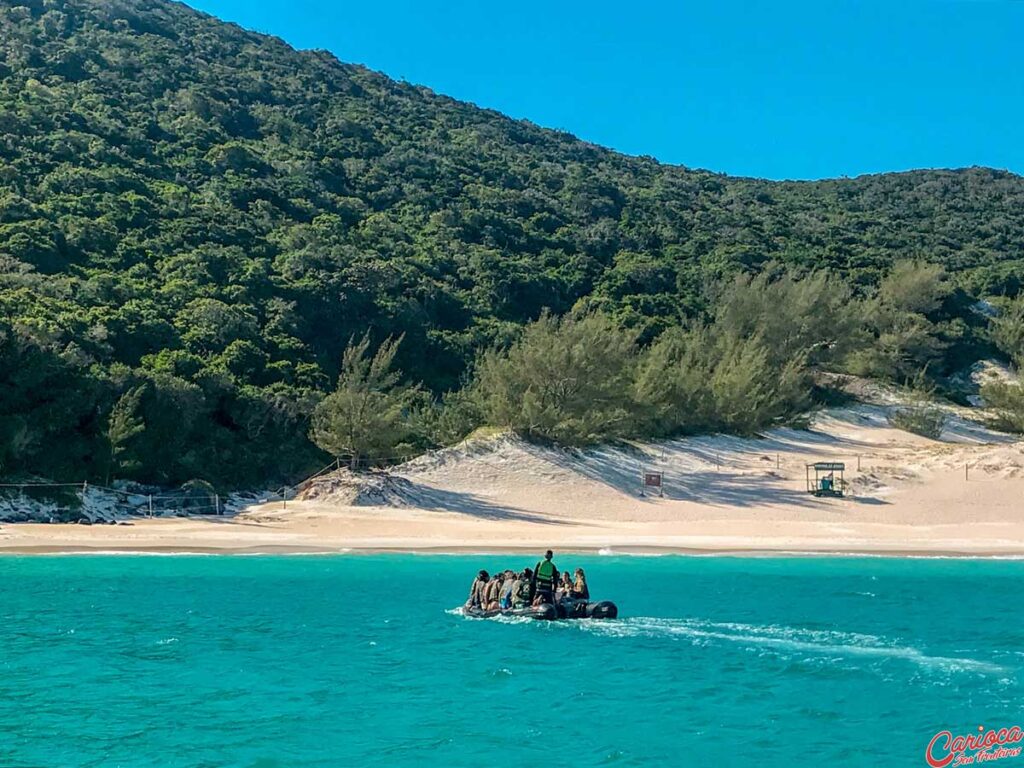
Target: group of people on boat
{"type": "Point", "coordinates": [509, 590]}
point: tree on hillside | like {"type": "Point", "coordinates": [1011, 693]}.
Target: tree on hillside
{"type": "Point", "coordinates": [709, 379]}
{"type": "Point", "coordinates": [123, 424]}
{"type": "Point", "coordinates": [368, 414]}
{"type": "Point", "coordinates": [814, 315]}
{"type": "Point", "coordinates": [1006, 400]}
{"type": "Point", "coordinates": [1008, 331]}
{"type": "Point", "coordinates": [751, 389]}
{"type": "Point", "coordinates": [48, 404]}
{"type": "Point", "coordinates": [1005, 397]}
{"type": "Point", "coordinates": [569, 380]}
{"type": "Point", "coordinates": [449, 419]}
{"type": "Point", "coordinates": [906, 339]}
{"type": "Point", "coordinates": [914, 286]}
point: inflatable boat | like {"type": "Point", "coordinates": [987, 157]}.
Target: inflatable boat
{"type": "Point", "coordinates": [567, 609]}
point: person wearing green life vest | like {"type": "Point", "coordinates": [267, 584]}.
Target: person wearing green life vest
{"type": "Point", "coordinates": [545, 577]}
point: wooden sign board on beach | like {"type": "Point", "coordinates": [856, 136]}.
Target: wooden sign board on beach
{"type": "Point", "coordinates": [653, 480]}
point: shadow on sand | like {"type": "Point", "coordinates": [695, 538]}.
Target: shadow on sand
{"type": "Point", "coordinates": [723, 486]}
{"type": "Point", "coordinates": [702, 473]}
{"type": "Point", "coordinates": [440, 500]}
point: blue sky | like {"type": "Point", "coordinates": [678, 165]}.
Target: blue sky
{"type": "Point", "coordinates": [780, 90]}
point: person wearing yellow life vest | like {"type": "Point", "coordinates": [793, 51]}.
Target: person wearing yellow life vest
{"type": "Point", "coordinates": [545, 577]}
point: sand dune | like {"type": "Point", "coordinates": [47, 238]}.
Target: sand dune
{"type": "Point", "coordinates": [963, 494]}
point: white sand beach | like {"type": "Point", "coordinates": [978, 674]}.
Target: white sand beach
{"type": "Point", "coordinates": [907, 495]}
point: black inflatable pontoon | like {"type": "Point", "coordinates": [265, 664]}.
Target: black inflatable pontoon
{"type": "Point", "coordinates": [576, 609]}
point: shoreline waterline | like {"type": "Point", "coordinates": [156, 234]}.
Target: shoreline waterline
{"type": "Point", "coordinates": [752, 552]}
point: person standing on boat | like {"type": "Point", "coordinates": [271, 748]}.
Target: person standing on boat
{"type": "Point", "coordinates": [545, 577]}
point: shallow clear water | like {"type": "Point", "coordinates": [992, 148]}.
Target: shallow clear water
{"type": "Point", "coordinates": [352, 660]}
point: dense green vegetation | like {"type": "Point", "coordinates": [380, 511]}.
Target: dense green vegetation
{"type": "Point", "coordinates": [196, 221]}
{"type": "Point", "coordinates": [1006, 397]}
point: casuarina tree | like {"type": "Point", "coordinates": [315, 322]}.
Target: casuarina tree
{"type": "Point", "coordinates": [368, 415]}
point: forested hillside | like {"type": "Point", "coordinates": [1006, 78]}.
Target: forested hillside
{"type": "Point", "coordinates": [196, 220]}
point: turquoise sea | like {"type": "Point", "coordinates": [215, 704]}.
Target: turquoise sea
{"type": "Point", "coordinates": [348, 660]}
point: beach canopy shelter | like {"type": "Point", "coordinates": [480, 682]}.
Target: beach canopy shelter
{"type": "Point", "coordinates": [825, 478]}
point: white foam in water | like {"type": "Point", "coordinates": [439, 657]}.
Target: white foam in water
{"type": "Point", "coordinates": [608, 552]}
{"type": "Point", "coordinates": [820, 643]}
{"type": "Point", "coordinates": [512, 619]}
{"type": "Point", "coordinates": [500, 619]}
{"type": "Point", "coordinates": [784, 639]}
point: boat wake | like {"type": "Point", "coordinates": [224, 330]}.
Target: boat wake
{"type": "Point", "coordinates": [787, 641]}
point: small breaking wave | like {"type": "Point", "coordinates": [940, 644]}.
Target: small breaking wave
{"type": "Point", "coordinates": [609, 552]}
{"type": "Point", "coordinates": [786, 640]}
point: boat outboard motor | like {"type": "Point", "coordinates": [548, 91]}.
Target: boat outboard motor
{"type": "Point", "coordinates": [605, 609]}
